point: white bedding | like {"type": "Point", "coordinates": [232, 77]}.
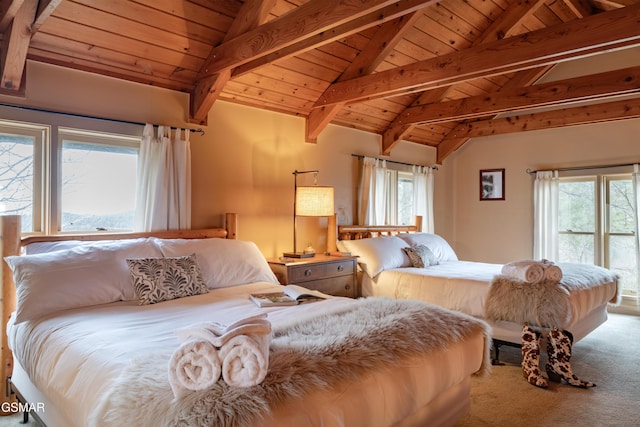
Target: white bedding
{"type": "Point", "coordinates": [463, 286]}
{"type": "Point", "coordinates": [75, 356]}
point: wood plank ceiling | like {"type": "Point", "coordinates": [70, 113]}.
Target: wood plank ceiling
{"type": "Point", "coordinates": [429, 72]}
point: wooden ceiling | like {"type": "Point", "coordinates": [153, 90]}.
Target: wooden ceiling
{"type": "Point", "coordinates": [430, 72]}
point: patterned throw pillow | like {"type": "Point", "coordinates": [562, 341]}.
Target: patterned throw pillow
{"type": "Point", "coordinates": [163, 279]}
{"type": "Point", "coordinates": [420, 256]}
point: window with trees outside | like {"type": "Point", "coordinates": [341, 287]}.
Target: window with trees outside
{"type": "Point", "coordinates": [596, 224]}
{"type": "Point", "coordinates": [400, 197]}
{"type": "Point", "coordinates": [62, 180]}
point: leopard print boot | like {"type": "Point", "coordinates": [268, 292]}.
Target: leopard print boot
{"type": "Point", "coordinates": [531, 357]}
{"type": "Point", "coordinates": [558, 366]}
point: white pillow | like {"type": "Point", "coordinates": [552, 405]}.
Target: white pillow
{"type": "Point", "coordinates": [440, 248]}
{"type": "Point", "coordinates": [61, 245]}
{"type": "Point", "coordinates": [78, 277]}
{"type": "Point", "coordinates": [377, 254]}
{"type": "Point", "coordinates": [223, 262]}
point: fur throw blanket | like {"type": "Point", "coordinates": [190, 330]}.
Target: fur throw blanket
{"type": "Point", "coordinates": [316, 353]}
{"type": "Point", "coordinates": [544, 303]}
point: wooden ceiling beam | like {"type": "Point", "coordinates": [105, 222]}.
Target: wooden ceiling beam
{"type": "Point", "coordinates": [380, 45]}
{"type": "Point", "coordinates": [522, 79]}
{"type": "Point", "coordinates": [307, 20]}
{"type": "Point", "coordinates": [397, 10]}
{"type": "Point", "coordinates": [583, 37]}
{"type": "Point", "coordinates": [252, 14]}
{"type": "Point", "coordinates": [15, 44]}
{"type": "Point", "coordinates": [502, 27]}
{"type": "Point", "coordinates": [8, 10]}
{"type": "Point", "coordinates": [45, 9]}
{"type": "Point", "coordinates": [591, 87]}
{"type": "Point", "coordinates": [588, 114]}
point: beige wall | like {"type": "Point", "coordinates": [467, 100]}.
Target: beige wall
{"type": "Point", "coordinates": [246, 164]}
{"type": "Point", "coordinates": [501, 231]}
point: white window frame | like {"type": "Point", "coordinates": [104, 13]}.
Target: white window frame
{"type": "Point", "coordinates": [601, 179]}
{"type": "Point", "coordinates": [49, 129]}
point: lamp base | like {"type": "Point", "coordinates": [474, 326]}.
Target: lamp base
{"type": "Point", "coordinates": [297, 255]}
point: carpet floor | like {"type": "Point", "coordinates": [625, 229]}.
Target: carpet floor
{"type": "Point", "coordinates": [609, 357]}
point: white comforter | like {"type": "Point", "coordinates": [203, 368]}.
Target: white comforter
{"type": "Point", "coordinates": [75, 357]}
{"type": "Point", "coordinates": [463, 286]}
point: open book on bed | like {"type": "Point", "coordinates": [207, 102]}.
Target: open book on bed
{"type": "Point", "coordinates": [290, 295]}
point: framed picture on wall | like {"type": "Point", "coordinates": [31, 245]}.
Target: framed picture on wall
{"type": "Point", "coordinates": [492, 184]}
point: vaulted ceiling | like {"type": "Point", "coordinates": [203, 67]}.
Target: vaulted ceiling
{"type": "Point", "coordinates": [429, 72]}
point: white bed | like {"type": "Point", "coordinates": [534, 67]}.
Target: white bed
{"type": "Point", "coordinates": [79, 360]}
{"type": "Point", "coordinates": [460, 285]}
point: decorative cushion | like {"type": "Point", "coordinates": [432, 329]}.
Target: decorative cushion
{"type": "Point", "coordinates": [377, 254]}
{"type": "Point", "coordinates": [83, 276]}
{"type": "Point", "coordinates": [420, 256]}
{"type": "Point", "coordinates": [162, 279]}
{"type": "Point", "coordinates": [223, 262]}
{"type": "Point", "coordinates": [436, 244]}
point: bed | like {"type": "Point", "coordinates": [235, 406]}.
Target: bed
{"type": "Point", "coordinates": [96, 358]}
{"type": "Point", "coordinates": [579, 302]}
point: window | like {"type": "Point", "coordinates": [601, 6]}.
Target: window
{"type": "Point", "coordinates": [400, 204]}
{"type": "Point", "coordinates": [596, 224]}
{"type": "Point", "coordinates": [67, 180]}
{"type": "Point", "coordinates": [98, 177]}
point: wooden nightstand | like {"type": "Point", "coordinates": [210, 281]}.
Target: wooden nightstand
{"type": "Point", "coordinates": [329, 274]}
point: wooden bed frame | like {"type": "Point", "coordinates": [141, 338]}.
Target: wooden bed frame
{"type": "Point", "coordinates": [355, 232]}
{"type": "Point", "coordinates": [12, 244]}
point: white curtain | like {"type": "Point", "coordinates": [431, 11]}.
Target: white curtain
{"type": "Point", "coordinates": [635, 182]}
{"type": "Point", "coordinates": [163, 195]}
{"type": "Point", "coordinates": [423, 196]}
{"type": "Point", "coordinates": [545, 221]}
{"type": "Point", "coordinates": [372, 197]}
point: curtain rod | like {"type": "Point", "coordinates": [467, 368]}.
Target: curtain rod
{"type": "Point", "coordinates": [86, 116]}
{"type": "Point", "coordinates": [360, 156]}
{"type": "Point", "coordinates": [578, 168]}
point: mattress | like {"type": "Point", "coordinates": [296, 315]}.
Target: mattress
{"type": "Point", "coordinates": [74, 357]}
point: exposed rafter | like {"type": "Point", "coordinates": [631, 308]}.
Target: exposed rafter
{"type": "Point", "coordinates": [252, 14]}
{"type": "Point", "coordinates": [587, 36]}
{"type": "Point", "coordinates": [375, 52]}
{"type": "Point", "coordinates": [501, 28]}
{"type": "Point", "coordinates": [599, 113]}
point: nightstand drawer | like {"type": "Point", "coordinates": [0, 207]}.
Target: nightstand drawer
{"type": "Point", "coordinates": [328, 274]}
{"type": "Point", "coordinates": [309, 272]}
{"type": "Point", "coordinates": [343, 286]}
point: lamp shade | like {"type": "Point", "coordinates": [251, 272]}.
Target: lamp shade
{"type": "Point", "coordinates": [314, 201]}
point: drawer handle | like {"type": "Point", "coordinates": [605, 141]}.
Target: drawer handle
{"type": "Point", "coordinates": [307, 272]}
{"type": "Point", "coordinates": [347, 287]}
{"type": "Point", "coordinates": [340, 267]}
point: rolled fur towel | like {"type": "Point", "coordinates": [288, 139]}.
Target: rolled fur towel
{"type": "Point", "coordinates": [194, 366]}
{"type": "Point", "coordinates": [245, 359]}
{"type": "Point", "coordinates": [527, 270]}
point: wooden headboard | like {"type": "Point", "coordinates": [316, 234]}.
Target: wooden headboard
{"type": "Point", "coordinates": [12, 244]}
{"type": "Point", "coordinates": [355, 232]}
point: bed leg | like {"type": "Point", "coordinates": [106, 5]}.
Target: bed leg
{"type": "Point", "coordinates": [10, 391]}
{"type": "Point", "coordinates": [495, 360]}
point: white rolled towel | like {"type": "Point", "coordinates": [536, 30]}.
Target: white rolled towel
{"type": "Point", "coordinates": [552, 272]}
{"type": "Point", "coordinates": [194, 366]}
{"type": "Point", "coordinates": [526, 271]}
{"type": "Point", "coordinates": [245, 359]}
